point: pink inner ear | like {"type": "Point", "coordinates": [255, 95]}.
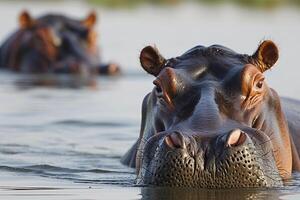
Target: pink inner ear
{"type": "Point", "coordinates": [270, 55]}
{"type": "Point", "coordinates": [236, 138]}
{"type": "Point", "coordinates": [151, 60]}
{"type": "Point", "coordinates": [267, 53]}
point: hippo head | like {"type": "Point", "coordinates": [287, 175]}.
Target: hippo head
{"type": "Point", "coordinates": [211, 120]}
{"type": "Point", "coordinates": [55, 43]}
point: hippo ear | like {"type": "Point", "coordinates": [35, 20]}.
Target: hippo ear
{"type": "Point", "coordinates": [90, 20]}
{"type": "Point", "coordinates": [151, 60]}
{"type": "Point", "coordinates": [25, 20]}
{"type": "Point", "coordinates": [266, 55]}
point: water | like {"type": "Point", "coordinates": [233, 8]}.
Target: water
{"type": "Point", "coordinates": [60, 143]}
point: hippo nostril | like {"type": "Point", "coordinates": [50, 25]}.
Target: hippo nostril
{"type": "Point", "coordinates": [175, 140]}
{"type": "Point", "coordinates": [236, 138]}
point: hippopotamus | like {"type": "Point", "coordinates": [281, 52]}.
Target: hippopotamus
{"type": "Point", "coordinates": [212, 121]}
{"type": "Point", "coordinates": [54, 44]}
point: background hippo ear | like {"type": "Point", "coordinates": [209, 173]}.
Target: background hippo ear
{"type": "Point", "coordinates": [25, 20]}
{"type": "Point", "coordinates": [151, 60]}
{"type": "Point", "coordinates": [266, 55]}
{"type": "Point", "coordinates": [90, 20]}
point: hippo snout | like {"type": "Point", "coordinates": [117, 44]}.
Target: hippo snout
{"type": "Point", "coordinates": [230, 160]}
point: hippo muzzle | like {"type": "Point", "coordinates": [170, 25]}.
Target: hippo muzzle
{"type": "Point", "coordinates": [235, 159]}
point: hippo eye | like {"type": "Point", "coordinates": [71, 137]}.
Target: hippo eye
{"type": "Point", "coordinates": [259, 84]}
{"type": "Point", "coordinates": [158, 89]}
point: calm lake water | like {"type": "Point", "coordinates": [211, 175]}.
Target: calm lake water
{"type": "Point", "coordinates": [67, 143]}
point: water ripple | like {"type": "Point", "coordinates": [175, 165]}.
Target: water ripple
{"type": "Point", "coordinates": [83, 123]}
{"type": "Point", "coordinates": [50, 168]}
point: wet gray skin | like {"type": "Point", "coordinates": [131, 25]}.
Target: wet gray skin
{"type": "Point", "coordinates": [211, 121]}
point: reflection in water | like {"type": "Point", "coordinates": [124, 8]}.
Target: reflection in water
{"type": "Point", "coordinates": [189, 194]}
{"type": "Point", "coordinates": [55, 80]}
{"type": "Point", "coordinates": [291, 188]}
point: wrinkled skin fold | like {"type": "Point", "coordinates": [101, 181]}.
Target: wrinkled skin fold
{"type": "Point", "coordinates": [212, 121]}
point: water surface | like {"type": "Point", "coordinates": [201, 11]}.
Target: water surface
{"type": "Point", "coordinates": [62, 143]}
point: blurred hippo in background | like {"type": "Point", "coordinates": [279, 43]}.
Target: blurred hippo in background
{"type": "Point", "coordinates": [55, 44]}
{"type": "Point", "coordinates": [212, 121]}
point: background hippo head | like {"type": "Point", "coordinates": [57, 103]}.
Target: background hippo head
{"type": "Point", "coordinates": [211, 121]}
{"type": "Point", "coordinates": [54, 44]}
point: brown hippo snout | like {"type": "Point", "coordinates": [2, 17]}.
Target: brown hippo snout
{"type": "Point", "coordinates": [234, 159]}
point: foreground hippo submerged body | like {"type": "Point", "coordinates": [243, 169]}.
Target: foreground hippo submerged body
{"type": "Point", "coordinates": [211, 121]}
{"type": "Point", "coordinates": [54, 44]}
